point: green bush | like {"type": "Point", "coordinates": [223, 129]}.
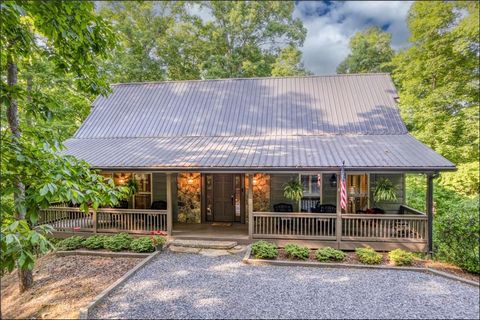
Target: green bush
{"type": "Point", "coordinates": [95, 242]}
{"type": "Point", "coordinates": [118, 242]}
{"type": "Point", "coordinates": [158, 240]}
{"type": "Point", "coordinates": [294, 251]}
{"type": "Point", "coordinates": [368, 256]}
{"type": "Point", "coordinates": [71, 243]}
{"type": "Point", "coordinates": [456, 239]}
{"type": "Point", "coordinates": [264, 250]}
{"type": "Point", "coordinates": [143, 244]}
{"type": "Point", "coordinates": [329, 254]}
{"type": "Point", "coordinates": [401, 257]}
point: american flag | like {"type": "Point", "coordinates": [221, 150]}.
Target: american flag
{"type": "Point", "coordinates": [343, 188]}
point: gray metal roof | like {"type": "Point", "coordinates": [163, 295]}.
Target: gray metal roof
{"type": "Point", "coordinates": [343, 104]}
{"type": "Point", "coordinates": [296, 123]}
{"type": "Point", "coordinates": [252, 152]}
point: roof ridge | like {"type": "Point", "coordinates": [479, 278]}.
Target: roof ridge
{"type": "Point", "coordinates": [254, 78]}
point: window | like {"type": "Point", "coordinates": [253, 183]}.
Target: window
{"type": "Point", "coordinates": [143, 197]}
{"type": "Point", "coordinates": [311, 185]}
{"type": "Point", "coordinates": [357, 191]}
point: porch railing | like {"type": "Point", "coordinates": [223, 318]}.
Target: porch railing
{"type": "Point", "coordinates": [354, 227]}
{"type": "Point", "coordinates": [141, 221]}
{"type": "Point", "coordinates": [367, 227]}
{"type": "Point", "coordinates": [282, 225]}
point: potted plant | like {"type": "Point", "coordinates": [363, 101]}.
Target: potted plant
{"type": "Point", "coordinates": [385, 190]}
{"type": "Point", "coordinates": [293, 190]}
{"type": "Point", "coordinates": [158, 239]}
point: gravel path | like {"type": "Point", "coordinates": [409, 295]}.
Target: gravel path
{"type": "Point", "coordinates": [180, 285]}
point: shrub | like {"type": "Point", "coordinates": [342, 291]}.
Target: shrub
{"type": "Point", "coordinates": [401, 257]}
{"type": "Point", "coordinates": [71, 243]}
{"type": "Point", "coordinates": [95, 242]}
{"type": "Point", "coordinates": [264, 250]}
{"type": "Point", "coordinates": [158, 240]}
{"type": "Point", "coordinates": [294, 251]}
{"type": "Point", "coordinates": [143, 244]}
{"type": "Point", "coordinates": [368, 256]}
{"type": "Point", "coordinates": [118, 242]}
{"type": "Point", "coordinates": [329, 254]}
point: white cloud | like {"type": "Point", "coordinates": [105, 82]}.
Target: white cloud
{"type": "Point", "coordinates": [330, 26]}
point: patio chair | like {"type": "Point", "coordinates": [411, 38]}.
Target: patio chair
{"type": "Point", "coordinates": [283, 222]}
{"type": "Point", "coordinates": [159, 205]}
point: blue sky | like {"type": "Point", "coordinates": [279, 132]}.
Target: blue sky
{"type": "Point", "coordinates": [330, 24]}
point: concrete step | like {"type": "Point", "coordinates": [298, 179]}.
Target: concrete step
{"type": "Point", "coordinates": [204, 244]}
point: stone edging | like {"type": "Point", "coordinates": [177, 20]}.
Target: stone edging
{"type": "Point", "coordinates": [102, 254]}
{"type": "Point", "coordinates": [247, 260]}
{"type": "Point", "coordinates": [86, 310]}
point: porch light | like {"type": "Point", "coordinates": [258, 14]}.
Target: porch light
{"type": "Point", "coordinates": [333, 180]}
{"type": "Point", "coordinates": [190, 179]}
{"type": "Point", "coordinates": [254, 181]}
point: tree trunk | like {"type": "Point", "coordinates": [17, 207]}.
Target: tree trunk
{"type": "Point", "coordinates": [25, 277]}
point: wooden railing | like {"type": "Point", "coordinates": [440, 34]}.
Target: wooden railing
{"type": "Point", "coordinates": [396, 227]}
{"type": "Point", "coordinates": [408, 210]}
{"type": "Point", "coordinates": [140, 221]}
{"type": "Point", "coordinates": [354, 227]}
{"type": "Point", "coordinates": [290, 225]}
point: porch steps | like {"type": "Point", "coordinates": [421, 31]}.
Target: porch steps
{"type": "Point", "coordinates": [204, 244]}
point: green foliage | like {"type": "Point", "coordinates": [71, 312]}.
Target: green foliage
{"type": "Point", "coordinates": [143, 244]}
{"type": "Point", "coordinates": [437, 78]}
{"type": "Point", "coordinates": [294, 251]}
{"type": "Point", "coordinates": [158, 241]}
{"type": "Point", "coordinates": [166, 40]}
{"type": "Point", "coordinates": [401, 258]}
{"type": "Point", "coordinates": [371, 51]}
{"type": "Point", "coordinates": [457, 237]}
{"type": "Point", "coordinates": [118, 242]}
{"type": "Point", "coordinates": [19, 244]}
{"type": "Point", "coordinates": [288, 63]}
{"type": "Point", "coordinates": [368, 256]}
{"type": "Point", "coordinates": [71, 243]}
{"type": "Point", "coordinates": [385, 190]}
{"type": "Point", "coordinates": [329, 254]}
{"type": "Point", "coordinates": [293, 190]}
{"type": "Point", "coordinates": [95, 242]}
{"type": "Point", "coordinates": [264, 250]}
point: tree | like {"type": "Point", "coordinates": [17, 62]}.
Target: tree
{"type": "Point", "coordinates": [438, 85]}
{"type": "Point", "coordinates": [288, 63]}
{"type": "Point", "coordinates": [139, 26]}
{"type": "Point", "coordinates": [167, 41]}
{"type": "Point", "coordinates": [71, 39]}
{"type": "Point", "coordinates": [371, 51]}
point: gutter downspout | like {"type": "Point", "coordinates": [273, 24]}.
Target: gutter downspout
{"type": "Point", "coordinates": [429, 204]}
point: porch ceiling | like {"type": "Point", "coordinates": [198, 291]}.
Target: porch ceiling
{"type": "Point", "coordinates": [294, 153]}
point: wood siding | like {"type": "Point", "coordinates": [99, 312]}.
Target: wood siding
{"type": "Point", "coordinates": [389, 206]}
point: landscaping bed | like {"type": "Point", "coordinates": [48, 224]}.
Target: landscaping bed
{"type": "Point", "coordinates": [62, 285]}
{"type": "Point", "coordinates": [263, 250]}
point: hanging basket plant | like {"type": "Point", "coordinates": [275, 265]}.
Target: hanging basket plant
{"type": "Point", "coordinates": [385, 190]}
{"type": "Point", "coordinates": [132, 186]}
{"type": "Point", "coordinates": [293, 190]}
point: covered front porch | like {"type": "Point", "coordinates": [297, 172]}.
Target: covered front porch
{"type": "Point", "coordinates": [251, 205]}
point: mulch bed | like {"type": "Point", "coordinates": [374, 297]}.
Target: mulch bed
{"type": "Point", "coordinates": [351, 258]}
{"type": "Point", "coordinates": [62, 286]}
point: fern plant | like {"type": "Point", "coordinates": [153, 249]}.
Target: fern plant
{"type": "Point", "coordinates": [385, 190]}
{"type": "Point", "coordinates": [293, 190]}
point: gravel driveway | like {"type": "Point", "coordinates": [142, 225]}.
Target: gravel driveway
{"type": "Point", "coordinates": [180, 285]}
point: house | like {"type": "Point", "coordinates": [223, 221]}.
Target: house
{"type": "Point", "coordinates": [211, 158]}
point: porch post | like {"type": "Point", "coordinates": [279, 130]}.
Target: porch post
{"type": "Point", "coordinates": [169, 205]}
{"type": "Point", "coordinates": [338, 220]}
{"type": "Point", "coordinates": [94, 218]}
{"type": "Point", "coordinates": [250, 205]}
{"type": "Point", "coordinates": [429, 205]}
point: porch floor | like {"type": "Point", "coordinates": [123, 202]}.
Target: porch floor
{"type": "Point", "coordinates": [236, 232]}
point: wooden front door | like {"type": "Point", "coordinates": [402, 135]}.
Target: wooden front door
{"type": "Point", "coordinates": [223, 198]}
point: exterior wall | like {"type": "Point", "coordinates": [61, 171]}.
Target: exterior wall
{"type": "Point", "coordinates": [329, 193]}
{"type": "Point", "coordinates": [390, 206]}
{"type": "Point", "coordinates": [276, 189]}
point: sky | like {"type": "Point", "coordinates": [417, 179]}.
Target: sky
{"type": "Point", "coordinates": [330, 24]}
